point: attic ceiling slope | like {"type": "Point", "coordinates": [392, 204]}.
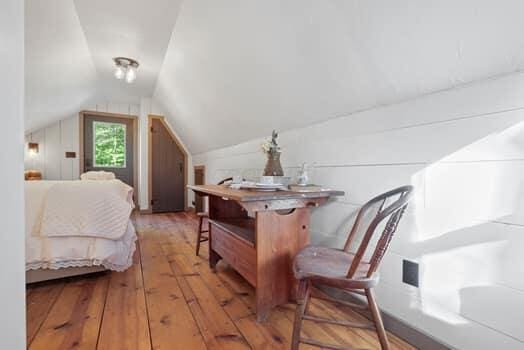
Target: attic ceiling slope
{"type": "Point", "coordinates": [59, 73]}
{"type": "Point", "coordinates": [132, 28]}
{"type": "Point", "coordinates": [69, 48]}
{"type": "Point", "coordinates": [234, 70]}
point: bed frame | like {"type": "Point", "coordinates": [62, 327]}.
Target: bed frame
{"type": "Point", "coordinates": [33, 276]}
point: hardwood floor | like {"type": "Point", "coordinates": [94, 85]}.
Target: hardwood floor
{"type": "Point", "coordinates": [170, 299]}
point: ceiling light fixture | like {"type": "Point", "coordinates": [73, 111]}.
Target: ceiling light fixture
{"type": "Point", "coordinates": [125, 67]}
{"type": "Point", "coordinates": [120, 72]}
{"type": "Point", "coordinates": [130, 74]}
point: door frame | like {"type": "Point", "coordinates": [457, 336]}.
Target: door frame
{"type": "Point", "coordinates": [162, 119]}
{"type": "Point", "coordinates": [203, 168]}
{"type": "Point", "coordinates": [81, 117]}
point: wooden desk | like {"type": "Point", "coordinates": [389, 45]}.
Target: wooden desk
{"type": "Point", "coordinates": [262, 248]}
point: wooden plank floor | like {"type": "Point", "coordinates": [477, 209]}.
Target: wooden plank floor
{"type": "Point", "coordinates": [170, 299]}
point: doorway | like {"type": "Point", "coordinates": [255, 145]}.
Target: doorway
{"type": "Point", "coordinates": [200, 176]}
{"type": "Point", "coordinates": [108, 142]}
{"type": "Point", "coordinates": [167, 168]}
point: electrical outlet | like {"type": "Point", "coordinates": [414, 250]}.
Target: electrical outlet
{"type": "Point", "coordinates": [410, 272]}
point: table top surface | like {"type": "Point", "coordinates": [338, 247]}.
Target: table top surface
{"type": "Point", "coordinates": [242, 195]}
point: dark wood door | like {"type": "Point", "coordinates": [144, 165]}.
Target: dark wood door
{"type": "Point", "coordinates": [109, 146]}
{"type": "Point", "coordinates": [167, 178]}
{"type": "Point", "coordinates": [199, 180]}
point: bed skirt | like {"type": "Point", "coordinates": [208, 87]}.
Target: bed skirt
{"type": "Point", "coordinates": [33, 276]}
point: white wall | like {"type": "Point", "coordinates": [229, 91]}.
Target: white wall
{"type": "Point", "coordinates": [251, 66]}
{"type": "Point", "coordinates": [12, 264]}
{"type": "Point", "coordinates": [53, 141]}
{"type": "Point", "coordinates": [464, 150]}
{"type": "Point", "coordinates": [63, 136]}
{"type": "Point", "coordinates": [146, 108]}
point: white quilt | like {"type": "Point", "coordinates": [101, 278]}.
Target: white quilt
{"type": "Point", "coordinates": [87, 209]}
{"type": "Point", "coordinates": [87, 244]}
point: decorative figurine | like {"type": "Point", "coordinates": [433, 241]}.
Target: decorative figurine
{"type": "Point", "coordinates": [272, 150]}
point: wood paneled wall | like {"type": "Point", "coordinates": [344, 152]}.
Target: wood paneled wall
{"type": "Point", "coordinates": [53, 141]}
{"type": "Point", "coordinates": [63, 136]}
{"type": "Point", "coordinates": [463, 148]}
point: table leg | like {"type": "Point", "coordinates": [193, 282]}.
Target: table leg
{"type": "Point", "coordinates": [214, 258]}
{"type": "Point", "coordinates": [279, 237]}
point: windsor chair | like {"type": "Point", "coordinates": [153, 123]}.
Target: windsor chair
{"type": "Point", "coordinates": [347, 271]}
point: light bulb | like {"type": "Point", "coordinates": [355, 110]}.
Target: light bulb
{"type": "Point", "coordinates": [130, 74]}
{"type": "Point", "coordinates": [120, 72]}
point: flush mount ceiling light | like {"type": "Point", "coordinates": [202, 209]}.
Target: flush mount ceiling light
{"type": "Point", "coordinates": [125, 68]}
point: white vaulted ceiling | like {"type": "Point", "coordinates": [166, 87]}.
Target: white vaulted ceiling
{"type": "Point", "coordinates": [231, 70]}
{"type": "Point", "coordinates": [70, 46]}
{"type": "Point", "coordinates": [237, 69]}
{"type": "Point", "coordinates": [59, 72]}
{"type": "Point", "coordinates": [139, 29]}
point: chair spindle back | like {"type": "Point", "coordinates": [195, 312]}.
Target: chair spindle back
{"type": "Point", "coordinates": [393, 211]}
{"type": "Point", "coordinates": [221, 182]}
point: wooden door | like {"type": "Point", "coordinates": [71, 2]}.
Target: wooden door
{"type": "Point", "coordinates": [199, 180]}
{"type": "Point", "coordinates": [167, 170]}
{"type": "Point", "coordinates": [109, 146]}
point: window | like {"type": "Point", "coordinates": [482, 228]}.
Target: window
{"type": "Point", "coordinates": [109, 143]}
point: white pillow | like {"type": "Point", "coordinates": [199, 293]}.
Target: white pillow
{"type": "Point", "coordinates": [98, 175]}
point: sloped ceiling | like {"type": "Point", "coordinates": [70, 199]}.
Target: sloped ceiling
{"type": "Point", "coordinates": [139, 29]}
{"type": "Point", "coordinates": [59, 73]}
{"type": "Point", "coordinates": [69, 50]}
{"type": "Point", "coordinates": [236, 69]}
{"type": "Point", "coordinates": [233, 70]}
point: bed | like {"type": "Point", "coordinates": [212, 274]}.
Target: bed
{"type": "Point", "coordinates": [77, 227]}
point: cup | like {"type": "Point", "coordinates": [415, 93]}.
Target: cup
{"type": "Point", "coordinates": [237, 179]}
{"type": "Point", "coordinates": [266, 180]}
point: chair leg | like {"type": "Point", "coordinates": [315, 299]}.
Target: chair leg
{"type": "Point", "coordinates": [302, 300]}
{"type": "Point", "coordinates": [375, 313]}
{"type": "Point", "coordinates": [199, 234]}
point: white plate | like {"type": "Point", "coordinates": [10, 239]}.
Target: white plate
{"type": "Point", "coordinates": [258, 184]}
{"type": "Point", "coordinates": [263, 187]}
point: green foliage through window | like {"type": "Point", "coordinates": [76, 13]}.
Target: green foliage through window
{"type": "Point", "coordinates": [109, 144]}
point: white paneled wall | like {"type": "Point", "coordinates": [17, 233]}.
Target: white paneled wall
{"type": "Point", "coordinates": [63, 136]}
{"type": "Point", "coordinates": [53, 141]}
{"type": "Point", "coordinates": [464, 151]}
{"type": "Point", "coordinates": [12, 237]}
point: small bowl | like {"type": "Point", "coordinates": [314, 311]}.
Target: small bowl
{"type": "Point", "coordinates": [267, 180]}
{"type": "Point", "coordinates": [274, 180]}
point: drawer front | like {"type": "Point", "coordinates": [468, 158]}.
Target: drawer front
{"type": "Point", "coordinates": [241, 256]}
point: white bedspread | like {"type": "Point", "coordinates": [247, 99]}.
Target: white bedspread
{"type": "Point", "coordinates": [79, 249]}
{"type": "Point", "coordinates": [87, 209]}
